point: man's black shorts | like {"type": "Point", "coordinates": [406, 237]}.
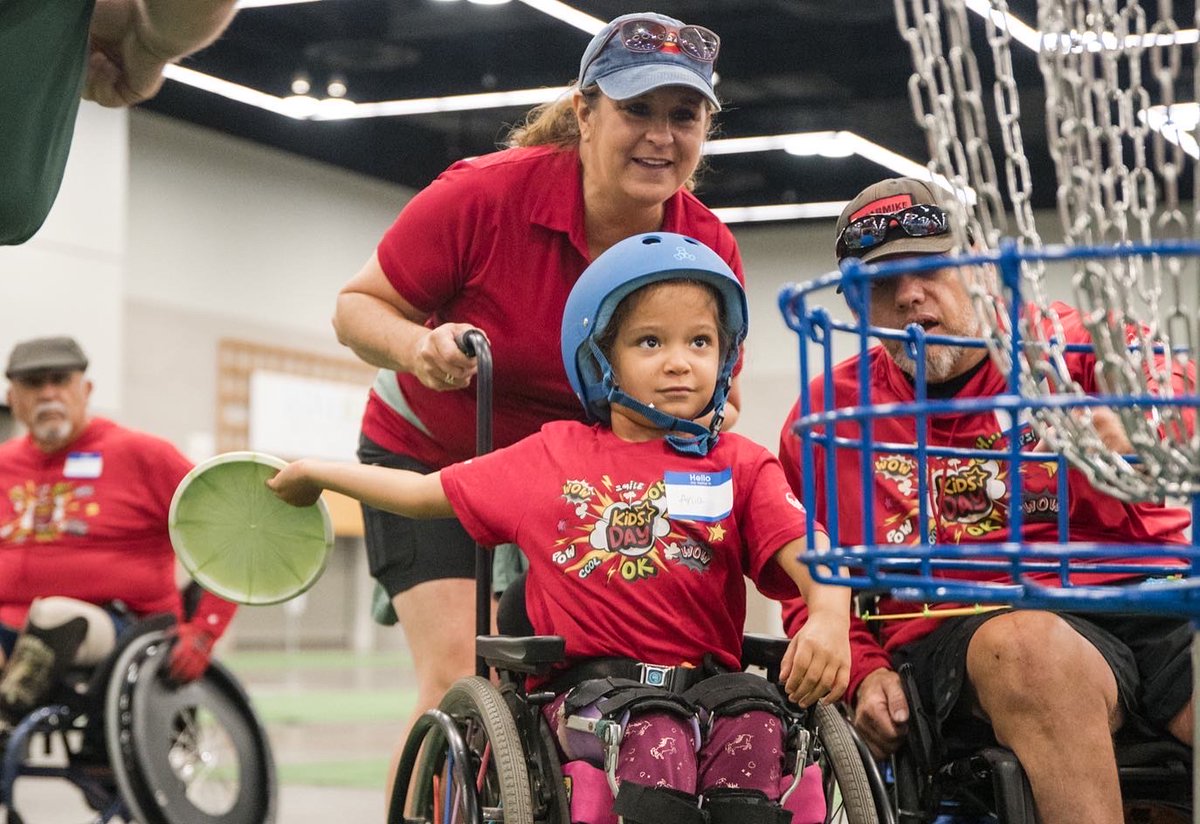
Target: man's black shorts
{"type": "Point", "coordinates": [1149, 655]}
{"type": "Point", "coordinates": [403, 552]}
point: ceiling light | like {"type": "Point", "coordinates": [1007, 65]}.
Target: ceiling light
{"type": "Point", "coordinates": [301, 84]}
{"type": "Point", "coordinates": [258, 4]}
{"type": "Point", "coordinates": [1176, 123]}
{"type": "Point", "coordinates": [780, 211]}
{"type": "Point", "coordinates": [336, 87]}
{"type": "Point", "coordinates": [567, 14]}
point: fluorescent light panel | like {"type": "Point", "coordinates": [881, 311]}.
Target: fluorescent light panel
{"type": "Point", "coordinates": [1035, 41]}
{"type": "Point", "coordinates": [829, 144]}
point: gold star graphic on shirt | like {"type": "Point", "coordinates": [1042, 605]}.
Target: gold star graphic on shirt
{"type": "Point", "coordinates": [716, 533]}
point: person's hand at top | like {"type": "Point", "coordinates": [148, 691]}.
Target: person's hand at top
{"type": "Point", "coordinates": [816, 666]}
{"type": "Point", "coordinates": [439, 363]}
{"type": "Point", "coordinates": [131, 42]}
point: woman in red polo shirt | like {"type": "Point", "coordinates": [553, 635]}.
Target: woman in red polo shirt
{"type": "Point", "coordinates": [496, 243]}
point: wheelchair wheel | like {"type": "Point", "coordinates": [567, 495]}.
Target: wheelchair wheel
{"type": "Point", "coordinates": [496, 773]}
{"type": "Point", "coordinates": [848, 796]}
{"type": "Point", "coordinates": [190, 754]}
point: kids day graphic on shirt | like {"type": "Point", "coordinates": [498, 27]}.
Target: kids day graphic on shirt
{"type": "Point", "coordinates": [969, 497]}
{"type": "Point", "coordinates": [627, 531]}
{"type": "Point", "coordinates": [45, 511]}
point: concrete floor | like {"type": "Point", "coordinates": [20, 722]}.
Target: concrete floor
{"type": "Point", "coordinates": [332, 719]}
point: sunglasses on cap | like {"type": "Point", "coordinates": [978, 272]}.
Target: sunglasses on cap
{"type": "Point", "coordinates": [867, 232]}
{"type": "Point", "coordinates": [646, 36]}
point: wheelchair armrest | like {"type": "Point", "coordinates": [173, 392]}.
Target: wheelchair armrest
{"type": "Point", "coordinates": [764, 651]}
{"type": "Point", "coordinates": [532, 655]}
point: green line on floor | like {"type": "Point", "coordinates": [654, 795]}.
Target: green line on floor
{"type": "Point", "coordinates": [259, 661]}
{"type": "Point", "coordinates": [362, 772]}
{"type": "Point", "coordinates": [330, 706]}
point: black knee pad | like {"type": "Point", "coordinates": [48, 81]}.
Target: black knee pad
{"type": "Point", "coordinates": [727, 805]}
{"type": "Point", "coordinates": [732, 693]}
{"type": "Point", "coordinates": [38, 662]}
{"type": "Point", "coordinates": [639, 804]}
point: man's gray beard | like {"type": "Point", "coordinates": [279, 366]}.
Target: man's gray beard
{"type": "Point", "coordinates": [54, 432]}
{"type": "Point", "coordinates": [939, 361]}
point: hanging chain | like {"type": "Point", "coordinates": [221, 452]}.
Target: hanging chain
{"type": "Point", "coordinates": [1117, 184]}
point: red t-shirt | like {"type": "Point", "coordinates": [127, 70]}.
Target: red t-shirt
{"type": "Point", "coordinates": [90, 522]}
{"type": "Point", "coordinates": [498, 242]}
{"type": "Point", "coordinates": [969, 497]}
{"type": "Point", "coordinates": [634, 550]}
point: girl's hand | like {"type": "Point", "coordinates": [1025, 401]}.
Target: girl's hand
{"type": "Point", "coordinates": [293, 485]}
{"type": "Point", "coordinates": [817, 663]}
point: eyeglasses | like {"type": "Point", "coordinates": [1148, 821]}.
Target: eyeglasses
{"type": "Point", "coordinates": [869, 231]}
{"type": "Point", "coordinates": [696, 42]}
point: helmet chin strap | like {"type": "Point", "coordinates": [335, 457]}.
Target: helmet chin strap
{"type": "Point", "coordinates": [686, 437]}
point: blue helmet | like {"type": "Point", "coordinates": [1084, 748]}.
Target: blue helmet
{"type": "Point", "coordinates": [622, 269]}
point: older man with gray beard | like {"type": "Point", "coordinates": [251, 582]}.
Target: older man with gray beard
{"type": "Point", "coordinates": [1038, 682]}
{"type": "Point", "coordinates": [84, 547]}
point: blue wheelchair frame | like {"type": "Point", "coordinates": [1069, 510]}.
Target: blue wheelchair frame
{"type": "Point", "coordinates": [912, 572]}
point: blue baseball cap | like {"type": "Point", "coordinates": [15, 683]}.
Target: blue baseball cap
{"type": "Point", "coordinates": [622, 74]}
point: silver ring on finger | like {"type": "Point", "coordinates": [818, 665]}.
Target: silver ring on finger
{"type": "Point", "coordinates": [449, 378]}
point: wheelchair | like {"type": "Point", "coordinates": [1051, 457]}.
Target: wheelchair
{"type": "Point", "coordinates": [138, 748]}
{"type": "Point", "coordinates": [988, 784]}
{"type": "Point", "coordinates": [486, 754]}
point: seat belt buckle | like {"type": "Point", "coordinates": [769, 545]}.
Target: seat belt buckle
{"type": "Point", "coordinates": [656, 675]}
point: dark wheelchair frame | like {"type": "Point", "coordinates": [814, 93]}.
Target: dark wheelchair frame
{"type": "Point", "coordinates": [139, 748]}
{"type": "Point", "coordinates": [486, 754]}
{"type": "Point", "coordinates": [988, 782]}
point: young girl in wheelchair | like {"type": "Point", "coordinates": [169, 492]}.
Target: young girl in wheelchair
{"type": "Point", "coordinates": [639, 529]}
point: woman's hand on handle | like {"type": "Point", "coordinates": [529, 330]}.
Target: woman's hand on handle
{"type": "Point", "coordinates": [439, 363]}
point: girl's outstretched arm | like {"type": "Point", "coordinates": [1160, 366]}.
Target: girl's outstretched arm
{"type": "Point", "coordinates": [406, 493]}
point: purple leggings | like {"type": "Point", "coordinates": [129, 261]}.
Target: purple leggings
{"type": "Point", "coordinates": [659, 750]}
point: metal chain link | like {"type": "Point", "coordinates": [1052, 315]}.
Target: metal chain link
{"type": "Point", "coordinates": [1117, 184]}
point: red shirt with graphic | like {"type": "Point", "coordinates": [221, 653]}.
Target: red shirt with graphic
{"type": "Point", "coordinates": [635, 550]}
{"type": "Point", "coordinates": [90, 522]}
{"type": "Point", "coordinates": [969, 497]}
{"type": "Point", "coordinates": [498, 241]}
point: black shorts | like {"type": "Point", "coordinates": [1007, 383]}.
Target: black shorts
{"type": "Point", "coordinates": [1150, 657]}
{"type": "Point", "coordinates": [403, 552]}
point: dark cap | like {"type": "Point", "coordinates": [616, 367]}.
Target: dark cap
{"type": "Point", "coordinates": [886, 197]}
{"type": "Point", "coordinates": [622, 74]}
{"type": "Point", "coordinates": [60, 354]}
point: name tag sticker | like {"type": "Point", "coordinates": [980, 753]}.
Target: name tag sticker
{"type": "Point", "coordinates": [699, 496]}
{"type": "Point", "coordinates": [83, 465]}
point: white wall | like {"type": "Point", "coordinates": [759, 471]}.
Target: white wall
{"type": "Point", "coordinates": [70, 278]}
{"type": "Point", "coordinates": [231, 239]}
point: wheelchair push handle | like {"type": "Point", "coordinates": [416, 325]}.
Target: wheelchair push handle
{"type": "Point", "coordinates": [474, 343]}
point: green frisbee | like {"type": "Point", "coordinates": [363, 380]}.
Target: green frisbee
{"type": "Point", "coordinates": [241, 542]}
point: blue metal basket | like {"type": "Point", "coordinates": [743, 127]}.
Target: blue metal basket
{"type": "Point", "coordinates": [1055, 573]}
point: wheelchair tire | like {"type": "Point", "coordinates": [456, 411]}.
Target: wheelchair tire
{"type": "Point", "coordinates": [190, 754]}
{"type": "Point", "coordinates": [487, 727]}
{"type": "Point", "coordinates": [848, 795]}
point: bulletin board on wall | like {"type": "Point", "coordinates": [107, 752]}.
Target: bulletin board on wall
{"type": "Point", "coordinates": [292, 403]}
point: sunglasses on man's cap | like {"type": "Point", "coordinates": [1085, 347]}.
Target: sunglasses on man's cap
{"type": "Point", "coordinates": [869, 232]}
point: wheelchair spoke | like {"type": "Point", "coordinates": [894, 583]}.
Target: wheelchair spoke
{"type": "Point", "coordinates": [204, 758]}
